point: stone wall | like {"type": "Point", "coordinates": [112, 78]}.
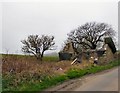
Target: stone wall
{"type": "Point", "coordinates": [103, 55]}
{"type": "Point", "coordinates": [107, 57]}
{"type": "Point", "coordinates": [65, 56]}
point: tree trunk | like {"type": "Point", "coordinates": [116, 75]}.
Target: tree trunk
{"type": "Point", "coordinates": [42, 55]}
{"type": "Point", "coordinates": [94, 46]}
{"type": "Point", "coordinates": [39, 57]}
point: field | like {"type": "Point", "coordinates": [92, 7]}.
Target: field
{"type": "Point", "coordinates": [25, 73]}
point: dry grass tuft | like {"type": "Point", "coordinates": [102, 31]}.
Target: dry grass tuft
{"type": "Point", "coordinates": [17, 69]}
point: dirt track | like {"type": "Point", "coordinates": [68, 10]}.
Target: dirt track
{"type": "Point", "coordinates": [103, 81]}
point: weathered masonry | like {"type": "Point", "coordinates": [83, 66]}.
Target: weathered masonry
{"type": "Point", "coordinates": [98, 56]}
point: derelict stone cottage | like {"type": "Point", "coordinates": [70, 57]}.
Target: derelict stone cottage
{"type": "Point", "coordinates": [98, 56]}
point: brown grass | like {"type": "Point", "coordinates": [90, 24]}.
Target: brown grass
{"type": "Point", "coordinates": [26, 68]}
{"type": "Point", "coordinates": [16, 64]}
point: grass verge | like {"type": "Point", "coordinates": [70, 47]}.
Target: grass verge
{"type": "Point", "coordinates": [75, 73]}
{"type": "Point", "coordinates": [70, 74]}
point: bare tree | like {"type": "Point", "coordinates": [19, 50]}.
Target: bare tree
{"type": "Point", "coordinates": [38, 45]}
{"type": "Point", "coordinates": [89, 35]}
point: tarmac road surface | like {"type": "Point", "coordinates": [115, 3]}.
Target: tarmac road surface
{"type": "Point", "coordinates": [103, 82]}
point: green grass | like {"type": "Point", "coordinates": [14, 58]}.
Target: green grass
{"type": "Point", "coordinates": [45, 58]}
{"type": "Point", "coordinates": [70, 74]}
{"type": "Point", "coordinates": [75, 73]}
{"type": "Point", "coordinates": [47, 82]}
{"type": "Point", "coordinates": [50, 58]}
{"type": "Point", "coordinates": [0, 83]}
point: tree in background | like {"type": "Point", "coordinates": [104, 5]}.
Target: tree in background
{"type": "Point", "coordinates": [38, 45]}
{"type": "Point", "coordinates": [90, 35]}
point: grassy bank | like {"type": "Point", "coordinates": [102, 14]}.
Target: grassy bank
{"type": "Point", "coordinates": [26, 73]}
{"type": "Point", "coordinates": [75, 73]}
{"type": "Point", "coordinates": [49, 81]}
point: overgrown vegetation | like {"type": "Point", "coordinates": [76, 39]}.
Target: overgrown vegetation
{"type": "Point", "coordinates": [30, 75]}
{"type": "Point", "coordinates": [20, 72]}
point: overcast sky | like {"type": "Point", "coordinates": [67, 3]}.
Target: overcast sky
{"type": "Point", "coordinates": [20, 19]}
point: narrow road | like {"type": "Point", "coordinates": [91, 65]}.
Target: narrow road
{"type": "Point", "coordinates": [103, 82]}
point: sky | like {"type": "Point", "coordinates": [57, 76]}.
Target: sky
{"type": "Point", "coordinates": [20, 19]}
